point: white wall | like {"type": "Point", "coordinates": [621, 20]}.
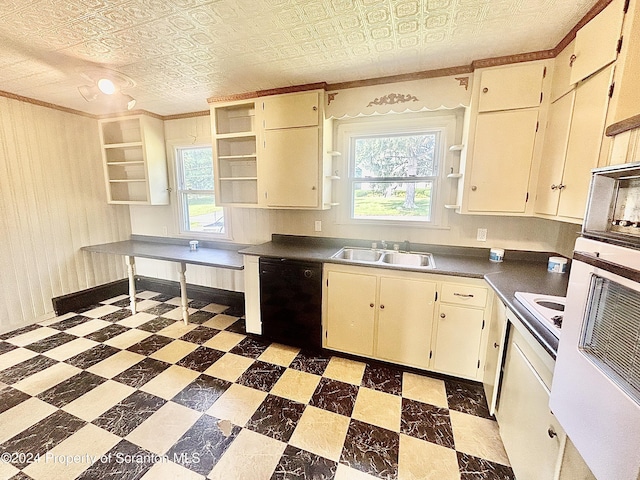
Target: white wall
{"type": "Point", "coordinates": [52, 202]}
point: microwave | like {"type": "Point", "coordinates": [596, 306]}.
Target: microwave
{"type": "Point", "coordinates": [613, 205]}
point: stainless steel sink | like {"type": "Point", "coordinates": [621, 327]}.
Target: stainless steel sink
{"type": "Point", "coordinates": [386, 257]}
{"type": "Point", "coordinates": [409, 259]}
{"type": "Point", "coordinates": [355, 254]}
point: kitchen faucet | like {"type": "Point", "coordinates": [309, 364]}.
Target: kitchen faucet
{"type": "Point", "coordinates": [383, 244]}
{"type": "Point", "coordinates": [406, 246]}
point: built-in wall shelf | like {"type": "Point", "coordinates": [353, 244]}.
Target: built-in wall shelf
{"type": "Point", "coordinates": [456, 148]}
{"type": "Point", "coordinates": [333, 177]}
{"type": "Point", "coordinates": [454, 175]}
{"type": "Point", "coordinates": [334, 153]}
{"type": "Point", "coordinates": [452, 207]}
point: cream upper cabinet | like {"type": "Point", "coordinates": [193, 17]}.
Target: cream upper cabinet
{"type": "Point", "coordinates": [561, 82]}
{"type": "Point", "coordinates": [405, 311]}
{"type": "Point", "coordinates": [501, 161]}
{"type": "Point", "coordinates": [554, 152]}
{"type": "Point", "coordinates": [511, 87]}
{"type": "Point", "coordinates": [596, 43]}
{"type": "Point", "coordinates": [350, 311]}
{"type": "Point", "coordinates": [291, 110]}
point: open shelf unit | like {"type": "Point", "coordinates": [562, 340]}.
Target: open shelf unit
{"type": "Point", "coordinates": [134, 160]}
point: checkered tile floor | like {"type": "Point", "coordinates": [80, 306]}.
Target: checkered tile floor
{"type": "Point", "coordinates": [102, 394]}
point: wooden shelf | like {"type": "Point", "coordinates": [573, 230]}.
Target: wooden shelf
{"type": "Point", "coordinates": [456, 148]}
{"type": "Point", "coordinates": [454, 175]}
{"type": "Point", "coordinates": [233, 179]}
{"type": "Point", "coordinates": [232, 136]}
{"type": "Point", "coordinates": [333, 177]}
{"type": "Point", "coordinates": [452, 207]}
{"type": "Point", "coordinates": [123, 145]}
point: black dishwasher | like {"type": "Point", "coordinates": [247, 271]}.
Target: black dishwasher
{"type": "Point", "coordinates": [291, 302]}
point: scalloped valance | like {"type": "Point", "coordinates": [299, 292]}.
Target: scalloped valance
{"type": "Point", "coordinates": [410, 96]}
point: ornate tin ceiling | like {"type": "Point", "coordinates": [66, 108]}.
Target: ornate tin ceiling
{"type": "Point", "coordinates": [180, 52]}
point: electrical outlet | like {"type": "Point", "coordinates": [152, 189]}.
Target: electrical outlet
{"type": "Point", "coordinates": [482, 235]}
{"type": "Point", "coordinates": [318, 225]}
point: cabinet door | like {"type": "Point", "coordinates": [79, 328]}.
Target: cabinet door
{"type": "Point", "coordinates": [291, 169]}
{"type": "Point", "coordinates": [350, 312]}
{"type": "Point", "coordinates": [561, 83]}
{"type": "Point", "coordinates": [405, 319]}
{"type": "Point", "coordinates": [525, 418]}
{"type": "Point", "coordinates": [554, 152]}
{"type": "Point", "coordinates": [495, 350]}
{"type": "Point", "coordinates": [585, 140]}
{"type": "Point", "coordinates": [458, 340]}
{"type": "Point", "coordinates": [291, 110]}
{"type": "Point", "coordinates": [597, 42]}
{"type": "Point", "coordinates": [501, 163]}
{"type": "Point", "coordinates": [511, 87]}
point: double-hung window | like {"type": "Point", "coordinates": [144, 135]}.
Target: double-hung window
{"type": "Point", "coordinates": [196, 195]}
{"type": "Point", "coordinates": [395, 170]}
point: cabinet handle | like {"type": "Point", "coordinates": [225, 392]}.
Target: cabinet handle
{"type": "Point", "coordinates": [381, 307]}
{"type": "Point", "coordinates": [552, 433]}
{"type": "Point", "coordinates": [495, 345]}
{"type": "Point", "coordinates": [313, 188]}
{"type": "Point", "coordinates": [554, 187]}
{"type": "Point", "coordinates": [572, 59]}
{"type": "Point", "coordinates": [442, 315]}
{"type": "Point", "coordinates": [315, 109]}
{"type": "Point", "coordinates": [485, 90]}
{"type": "Point", "coordinates": [371, 305]}
{"type": "Point", "coordinates": [473, 188]}
{"type": "Point", "coordinates": [561, 187]}
{"type": "Point", "coordinates": [464, 295]}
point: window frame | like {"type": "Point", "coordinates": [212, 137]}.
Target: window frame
{"type": "Point", "coordinates": [181, 196]}
{"type": "Point", "coordinates": [447, 125]}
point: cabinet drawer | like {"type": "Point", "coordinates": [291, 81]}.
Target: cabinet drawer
{"type": "Point", "coordinates": [464, 295]}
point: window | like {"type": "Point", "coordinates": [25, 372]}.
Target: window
{"type": "Point", "coordinates": [395, 166]}
{"type": "Point", "coordinates": [196, 195]}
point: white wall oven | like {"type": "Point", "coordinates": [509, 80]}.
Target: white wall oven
{"type": "Point", "coordinates": [596, 385]}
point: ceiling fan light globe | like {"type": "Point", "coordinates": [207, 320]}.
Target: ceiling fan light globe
{"type": "Point", "coordinates": [106, 86]}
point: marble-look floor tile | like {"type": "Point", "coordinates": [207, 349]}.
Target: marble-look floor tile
{"type": "Point", "coordinates": [303, 465]}
{"type": "Point", "coordinates": [74, 387]}
{"type": "Point", "coordinates": [474, 468]}
{"type": "Point", "coordinates": [321, 432]}
{"type": "Point", "coordinates": [14, 357]}
{"type": "Point", "coordinates": [140, 373]}
{"type": "Point", "coordinates": [201, 358]}
{"type": "Point", "coordinates": [70, 349]}
{"type": "Point", "coordinates": [279, 354]}
{"type": "Point", "coordinates": [25, 369]}
{"type": "Point", "coordinates": [128, 414]}
{"type": "Point", "coordinates": [200, 317]}
{"type": "Point", "coordinates": [371, 449]}
{"type": "Point", "coordinates": [22, 416]}
{"type": "Point", "coordinates": [276, 417]}
{"type": "Point", "coordinates": [159, 309]}
{"type": "Point", "coordinates": [224, 341]}
{"type": "Point", "coordinates": [32, 336]}
{"type": "Point", "coordinates": [345, 370]}
{"type": "Point", "coordinates": [214, 308]}
{"type": "Point", "coordinates": [335, 396]}
{"type": "Point", "coordinates": [251, 456]}
{"type": "Point", "coordinates": [136, 320]}
{"type": "Point", "coordinates": [478, 436]}
{"type": "Point", "coordinates": [156, 324]}
{"type": "Point", "coordinates": [70, 322]}
{"type": "Point", "coordinates": [176, 314]}
{"type": "Point", "coordinates": [19, 331]}
{"type": "Point", "coordinates": [199, 335]}
{"type": "Point", "coordinates": [177, 329]}
{"type": "Point", "coordinates": [310, 362]}
{"type": "Point", "coordinates": [42, 436]}
{"type": "Point", "coordinates": [116, 364]}
{"type": "Point", "coordinates": [116, 316]}
{"type": "Point", "coordinates": [150, 344]}
{"type": "Point", "coordinates": [174, 351]}
{"type": "Point", "coordinates": [9, 471]}
{"type": "Point", "coordinates": [128, 339]}
{"type": "Point", "coordinates": [261, 375]}
{"type": "Point", "coordinates": [421, 460]}
{"type": "Point", "coordinates": [100, 311]}
{"type": "Point", "coordinates": [46, 378]}
{"type": "Point", "coordinates": [11, 397]}
{"type": "Point", "coordinates": [344, 472]}
{"type": "Point", "coordinates": [197, 304]}
{"type": "Point", "coordinates": [97, 401]}
{"type": "Point", "coordinates": [202, 393]}
{"type": "Point", "coordinates": [426, 422]}
{"type": "Point", "coordinates": [168, 469]}
{"type": "Point", "coordinates": [229, 367]}
{"type": "Point", "coordinates": [250, 348]}
{"type": "Point", "coordinates": [115, 466]}
{"type": "Point", "coordinates": [143, 305]}
{"type": "Point", "coordinates": [237, 404]}
{"type": "Point", "coordinates": [467, 398]}
{"type": "Point", "coordinates": [90, 440]}
{"type": "Point", "coordinates": [382, 378]}
{"type": "Point", "coordinates": [378, 408]}
{"type": "Point", "coordinates": [220, 321]}
{"type": "Point", "coordinates": [48, 343]}
{"type": "Point", "coordinates": [170, 382]}
{"type": "Point", "coordinates": [202, 446]}
{"type": "Point", "coordinates": [88, 327]}
{"type": "Point", "coordinates": [6, 347]}
{"type": "Point", "coordinates": [104, 334]}
{"type": "Point", "coordinates": [94, 355]}
{"type": "Point", "coordinates": [296, 385]}
{"type": "Point", "coordinates": [424, 389]}
{"type": "Point", "coordinates": [115, 299]}
{"type": "Point", "coordinates": [164, 428]}
{"type": "Point", "coordinates": [239, 326]}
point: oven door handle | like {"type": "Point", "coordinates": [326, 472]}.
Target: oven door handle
{"type": "Point", "coordinates": [616, 269]}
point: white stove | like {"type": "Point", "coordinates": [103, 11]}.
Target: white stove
{"type": "Point", "coordinates": [548, 309]}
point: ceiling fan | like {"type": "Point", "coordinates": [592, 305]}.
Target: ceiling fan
{"type": "Point", "coordinates": [104, 81]}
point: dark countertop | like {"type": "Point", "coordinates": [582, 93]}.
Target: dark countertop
{"type": "Point", "coordinates": [520, 271]}
{"type": "Point", "coordinates": [210, 254]}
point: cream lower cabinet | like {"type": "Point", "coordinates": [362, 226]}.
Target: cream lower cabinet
{"type": "Point", "coordinates": [379, 314]}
